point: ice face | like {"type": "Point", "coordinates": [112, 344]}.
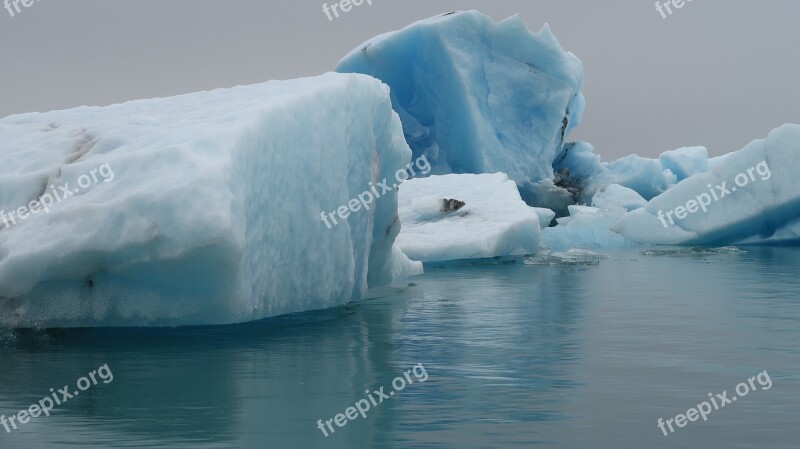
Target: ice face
{"type": "Point", "coordinates": [579, 175]}
{"type": "Point", "coordinates": [494, 221]}
{"type": "Point", "coordinates": [547, 194]}
{"type": "Point", "coordinates": [211, 208]}
{"type": "Point", "coordinates": [578, 167]}
{"type": "Point", "coordinates": [478, 97]}
{"type": "Point", "coordinates": [643, 175]}
{"type": "Point", "coordinates": [685, 162]}
{"type": "Point", "coordinates": [616, 196]}
{"type": "Point", "coordinates": [587, 228]}
{"type": "Point", "coordinates": [748, 196]}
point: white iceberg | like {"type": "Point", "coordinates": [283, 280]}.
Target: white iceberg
{"type": "Point", "coordinates": [476, 96]}
{"type": "Point", "coordinates": [492, 221]}
{"type": "Point", "coordinates": [749, 196]}
{"type": "Point", "coordinates": [213, 212]}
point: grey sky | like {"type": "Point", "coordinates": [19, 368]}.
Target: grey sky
{"type": "Point", "coordinates": [717, 73]}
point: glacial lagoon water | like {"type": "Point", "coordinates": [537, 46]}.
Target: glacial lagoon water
{"type": "Point", "coordinates": [551, 354]}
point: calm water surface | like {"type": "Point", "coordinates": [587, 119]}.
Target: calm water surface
{"type": "Point", "coordinates": [517, 356]}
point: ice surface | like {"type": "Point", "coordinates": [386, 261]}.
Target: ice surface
{"type": "Point", "coordinates": [577, 172]}
{"type": "Point", "coordinates": [685, 162]}
{"type": "Point", "coordinates": [546, 216]}
{"type": "Point", "coordinates": [494, 220]}
{"type": "Point", "coordinates": [615, 196]}
{"type": "Point", "coordinates": [476, 96]}
{"type": "Point", "coordinates": [714, 161]}
{"type": "Point", "coordinates": [578, 168]}
{"type": "Point", "coordinates": [751, 197]}
{"type": "Point", "coordinates": [585, 228]}
{"type": "Point", "coordinates": [213, 212]}
{"type": "Point", "coordinates": [645, 176]}
{"type": "Point", "coordinates": [547, 194]}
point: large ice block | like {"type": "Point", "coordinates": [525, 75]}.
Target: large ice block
{"type": "Point", "coordinates": [211, 210]}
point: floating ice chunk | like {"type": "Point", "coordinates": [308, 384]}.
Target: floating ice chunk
{"type": "Point", "coordinates": [493, 222]}
{"type": "Point", "coordinates": [697, 251]}
{"type": "Point", "coordinates": [213, 215]}
{"type": "Point", "coordinates": [616, 196]}
{"type": "Point", "coordinates": [476, 96]}
{"type": "Point", "coordinates": [685, 162]}
{"type": "Point", "coordinates": [570, 257]}
{"type": "Point", "coordinates": [749, 196]}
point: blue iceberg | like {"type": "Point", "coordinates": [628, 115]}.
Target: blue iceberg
{"type": "Point", "coordinates": [476, 96]}
{"type": "Point", "coordinates": [748, 196]}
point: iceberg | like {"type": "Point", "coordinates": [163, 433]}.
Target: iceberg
{"type": "Point", "coordinates": [199, 209]}
{"type": "Point", "coordinates": [489, 218]}
{"type": "Point", "coordinates": [476, 96]}
{"type": "Point", "coordinates": [749, 196]}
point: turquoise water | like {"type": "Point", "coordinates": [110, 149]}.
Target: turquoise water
{"type": "Point", "coordinates": [515, 355]}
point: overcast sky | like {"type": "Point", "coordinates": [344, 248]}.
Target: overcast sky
{"type": "Point", "coordinates": [718, 73]}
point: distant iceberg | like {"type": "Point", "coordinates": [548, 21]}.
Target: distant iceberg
{"type": "Point", "coordinates": [213, 214]}
{"type": "Point", "coordinates": [476, 96]}
{"type": "Point", "coordinates": [744, 197]}
{"type": "Point", "coordinates": [750, 196]}
{"type": "Point", "coordinates": [580, 170]}
{"type": "Point", "coordinates": [580, 175]}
